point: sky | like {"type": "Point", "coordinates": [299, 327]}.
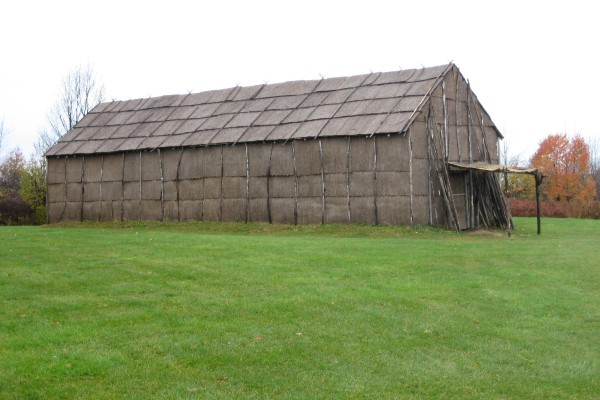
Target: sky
{"type": "Point", "coordinates": [532, 64]}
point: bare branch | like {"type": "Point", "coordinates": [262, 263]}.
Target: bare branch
{"type": "Point", "coordinates": [3, 135]}
{"type": "Point", "coordinates": [594, 146]}
{"type": "Point", "coordinates": [80, 93]}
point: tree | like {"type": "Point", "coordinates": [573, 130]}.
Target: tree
{"type": "Point", "coordinates": [520, 186]}
{"type": "Point", "coordinates": [565, 164]}
{"type": "Point", "coordinates": [80, 92]}
{"type": "Point", "coordinates": [594, 145]}
{"type": "Point", "coordinates": [13, 210]}
{"type": "Point", "coordinates": [3, 133]}
{"type": "Point", "coordinates": [33, 189]}
{"type": "Point", "coordinates": [11, 171]}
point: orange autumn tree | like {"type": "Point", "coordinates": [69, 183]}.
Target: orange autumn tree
{"type": "Point", "coordinates": [565, 164]}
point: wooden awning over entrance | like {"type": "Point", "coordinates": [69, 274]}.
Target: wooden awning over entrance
{"type": "Point", "coordinates": [486, 167]}
{"type": "Point", "coordinates": [482, 166]}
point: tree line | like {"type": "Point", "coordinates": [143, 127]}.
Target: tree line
{"type": "Point", "coordinates": [571, 183]}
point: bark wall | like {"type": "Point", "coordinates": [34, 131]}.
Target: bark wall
{"type": "Point", "coordinates": [332, 180]}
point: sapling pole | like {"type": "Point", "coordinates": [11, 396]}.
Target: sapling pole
{"type": "Point", "coordinates": [268, 185]}
{"type": "Point", "coordinates": [375, 194]}
{"type": "Point", "coordinates": [162, 187]}
{"type": "Point", "coordinates": [247, 182]}
{"type": "Point", "coordinates": [348, 180]}
{"type": "Point", "coordinates": [122, 188]}
{"type": "Point", "coordinates": [101, 178]}
{"type": "Point", "coordinates": [140, 199]}
{"type": "Point", "coordinates": [322, 183]}
{"type": "Point", "coordinates": [82, 180]}
{"type": "Point", "coordinates": [295, 183]}
{"type": "Point", "coordinates": [177, 183]}
{"type": "Point", "coordinates": [538, 181]}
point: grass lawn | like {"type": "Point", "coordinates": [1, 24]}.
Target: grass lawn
{"type": "Point", "coordinates": [234, 311]}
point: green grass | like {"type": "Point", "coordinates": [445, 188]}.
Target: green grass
{"type": "Point", "coordinates": [242, 311]}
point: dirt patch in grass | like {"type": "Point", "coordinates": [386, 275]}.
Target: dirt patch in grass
{"type": "Point", "coordinates": [486, 232]}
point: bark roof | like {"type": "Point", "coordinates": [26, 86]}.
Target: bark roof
{"type": "Point", "coordinates": [375, 103]}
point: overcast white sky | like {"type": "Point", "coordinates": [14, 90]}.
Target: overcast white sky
{"type": "Point", "coordinates": [533, 64]}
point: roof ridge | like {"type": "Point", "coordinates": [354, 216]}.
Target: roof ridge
{"type": "Point", "coordinates": [239, 87]}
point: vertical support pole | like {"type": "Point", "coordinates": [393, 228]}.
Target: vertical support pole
{"type": "Point", "coordinates": [247, 183]}
{"type": "Point", "coordinates": [469, 124]}
{"type": "Point", "coordinates": [268, 185]}
{"type": "Point", "coordinates": [46, 180]}
{"type": "Point", "coordinates": [474, 216]}
{"type": "Point", "coordinates": [221, 193]}
{"type": "Point", "coordinates": [456, 82]}
{"type": "Point", "coordinates": [468, 195]}
{"type": "Point", "coordinates": [295, 184]}
{"type": "Point", "coordinates": [202, 180]}
{"type": "Point", "coordinates": [62, 213]}
{"type": "Point", "coordinates": [177, 183]}
{"type": "Point", "coordinates": [348, 180]}
{"type": "Point", "coordinates": [162, 187]}
{"type": "Point", "coordinates": [445, 110]}
{"type": "Point", "coordinates": [140, 199]}
{"type": "Point", "coordinates": [506, 177]}
{"type": "Point", "coordinates": [122, 187]}
{"type": "Point", "coordinates": [486, 152]}
{"type": "Point", "coordinates": [101, 178]}
{"type": "Point", "coordinates": [430, 161]}
{"type": "Point", "coordinates": [322, 183]}
{"type": "Point", "coordinates": [82, 180]}
{"type": "Point", "coordinates": [538, 181]}
{"type": "Point", "coordinates": [473, 213]}
{"type": "Point", "coordinates": [410, 174]}
{"type": "Point", "coordinates": [375, 179]}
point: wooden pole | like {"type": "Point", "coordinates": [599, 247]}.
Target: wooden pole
{"type": "Point", "coordinates": [62, 213]}
{"type": "Point", "coordinates": [484, 147]}
{"type": "Point", "coordinates": [322, 183]}
{"type": "Point", "coordinates": [445, 134]}
{"type": "Point", "coordinates": [268, 185]}
{"type": "Point", "coordinates": [82, 180]}
{"type": "Point", "coordinates": [469, 124]}
{"type": "Point", "coordinates": [247, 183]}
{"type": "Point", "coordinates": [295, 183]}
{"type": "Point", "coordinates": [140, 199]}
{"type": "Point", "coordinates": [456, 81]}
{"type": "Point", "coordinates": [473, 215]}
{"type": "Point", "coordinates": [375, 179]}
{"type": "Point", "coordinates": [122, 188]}
{"type": "Point", "coordinates": [202, 178]}
{"type": "Point", "coordinates": [410, 172]}
{"type": "Point", "coordinates": [538, 181]}
{"type": "Point", "coordinates": [101, 178]}
{"type": "Point", "coordinates": [429, 161]}
{"type": "Point", "coordinates": [177, 183]}
{"type": "Point", "coordinates": [162, 188]}
{"type": "Point", "coordinates": [47, 186]}
{"type": "Point", "coordinates": [442, 173]}
{"type": "Point", "coordinates": [221, 193]}
{"type": "Point", "coordinates": [348, 180]}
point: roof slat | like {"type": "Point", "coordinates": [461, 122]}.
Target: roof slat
{"type": "Point", "coordinates": [110, 145]}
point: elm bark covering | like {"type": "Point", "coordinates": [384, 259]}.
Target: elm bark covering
{"type": "Point", "coordinates": [340, 150]}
